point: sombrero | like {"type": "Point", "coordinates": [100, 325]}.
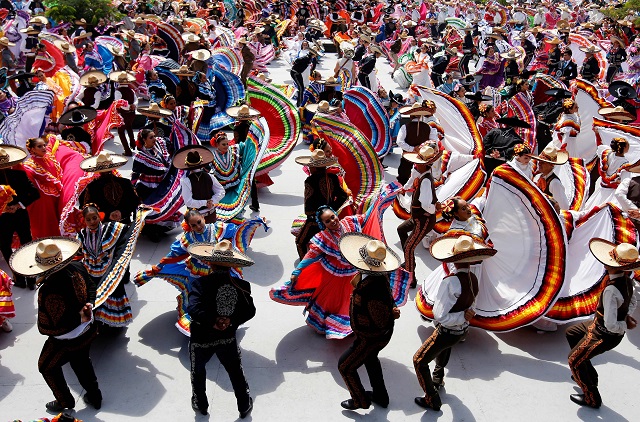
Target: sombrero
{"type": "Point", "coordinates": [201, 54]}
{"type": "Point", "coordinates": [190, 37]}
{"type": "Point", "coordinates": [322, 107]}
{"type": "Point", "coordinates": [623, 256]}
{"type": "Point", "coordinates": [243, 112]}
{"type": "Point", "coordinates": [368, 254]}
{"type": "Point", "coordinates": [30, 30]}
{"type": "Point", "coordinates": [416, 109]}
{"type": "Point", "coordinates": [78, 116]}
{"type": "Point", "coordinates": [183, 71]}
{"type": "Point", "coordinates": [222, 254]}
{"type": "Point", "coordinates": [105, 161]}
{"type": "Point", "coordinates": [93, 78]}
{"type": "Point", "coordinates": [41, 20]}
{"type": "Point", "coordinates": [154, 111]}
{"type": "Point", "coordinates": [11, 155]}
{"type": "Point", "coordinates": [64, 46]}
{"type": "Point", "coordinates": [5, 41]}
{"type": "Point", "coordinates": [622, 90]}
{"type": "Point", "coordinates": [453, 51]}
{"type": "Point", "coordinates": [513, 122]}
{"type": "Point", "coordinates": [376, 49]}
{"type": "Point", "coordinates": [552, 155]}
{"type": "Point", "coordinates": [45, 256]}
{"type": "Point", "coordinates": [460, 249]}
{"type": "Point", "coordinates": [122, 77]}
{"type": "Point", "coordinates": [192, 157]}
{"type": "Point", "coordinates": [427, 154]}
{"type": "Point", "coordinates": [317, 159]}
{"type": "Point", "coordinates": [477, 96]}
{"type": "Point", "coordinates": [115, 50]}
{"type": "Point", "coordinates": [511, 54]}
{"type": "Point", "coordinates": [330, 81]}
{"type": "Point", "coordinates": [555, 40]}
{"type": "Point", "coordinates": [85, 35]}
{"type": "Point", "coordinates": [558, 93]}
{"type": "Point", "coordinates": [616, 113]}
{"type": "Point", "coordinates": [591, 49]}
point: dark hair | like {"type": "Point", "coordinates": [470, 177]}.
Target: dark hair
{"type": "Point", "coordinates": [567, 51]}
{"type": "Point", "coordinates": [321, 210]}
{"type": "Point", "coordinates": [191, 212]}
{"type": "Point", "coordinates": [450, 207]}
{"type": "Point", "coordinates": [31, 142]}
{"type": "Point", "coordinates": [520, 83]}
{"type": "Point", "coordinates": [618, 145]}
{"type": "Point", "coordinates": [89, 208]}
{"type": "Point", "coordinates": [318, 143]}
{"type": "Point", "coordinates": [142, 135]}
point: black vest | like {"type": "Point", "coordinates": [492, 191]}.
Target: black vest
{"type": "Point", "coordinates": [633, 194]}
{"type": "Point", "coordinates": [625, 286]}
{"type": "Point", "coordinates": [468, 291]}
{"type": "Point", "coordinates": [415, 198]}
{"type": "Point", "coordinates": [417, 133]}
{"type": "Point", "coordinates": [201, 188]}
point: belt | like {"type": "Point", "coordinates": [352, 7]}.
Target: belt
{"type": "Point", "coordinates": [445, 330]}
{"type": "Point", "coordinates": [603, 330]}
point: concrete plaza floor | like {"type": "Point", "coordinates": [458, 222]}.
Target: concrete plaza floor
{"type": "Point", "coordinates": [144, 371]}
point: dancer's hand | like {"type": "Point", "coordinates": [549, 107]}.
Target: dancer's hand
{"type": "Point", "coordinates": [222, 323]}
{"type": "Point", "coordinates": [468, 314]}
{"type": "Point", "coordinates": [294, 278]}
{"type": "Point", "coordinates": [85, 313]}
{"type": "Point", "coordinates": [631, 322]}
{"type": "Point", "coordinates": [115, 216]}
{"type": "Point", "coordinates": [396, 313]}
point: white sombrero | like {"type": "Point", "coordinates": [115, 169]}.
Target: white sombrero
{"type": "Point", "coordinates": [553, 155]}
{"type": "Point", "coordinates": [317, 159]}
{"type": "Point", "coordinates": [322, 107]}
{"type": "Point", "coordinates": [460, 249]}
{"type": "Point", "coordinates": [222, 254]}
{"type": "Point", "coordinates": [11, 155]}
{"type": "Point", "coordinates": [623, 256]}
{"type": "Point", "coordinates": [427, 154]}
{"type": "Point", "coordinates": [44, 256]}
{"type": "Point", "coordinates": [368, 254]}
{"type": "Point", "coordinates": [243, 112]}
{"type": "Point", "coordinates": [105, 161]}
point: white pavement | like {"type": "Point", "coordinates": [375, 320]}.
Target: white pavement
{"type": "Point", "coordinates": [292, 372]}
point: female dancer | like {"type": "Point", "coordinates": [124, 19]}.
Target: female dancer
{"type": "Point", "coordinates": [612, 162]}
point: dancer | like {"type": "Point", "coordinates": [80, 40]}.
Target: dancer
{"type": "Point", "coordinates": [453, 308]}
{"type": "Point", "coordinates": [373, 312]}
{"type": "Point", "coordinates": [612, 319]}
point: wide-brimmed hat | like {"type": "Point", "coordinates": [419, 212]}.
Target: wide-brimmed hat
{"type": "Point", "coordinates": [511, 54]}
{"type": "Point", "coordinates": [376, 49]}
{"type": "Point", "coordinates": [202, 54]}
{"type": "Point", "coordinates": [623, 256]}
{"type": "Point", "coordinates": [85, 35]}
{"type": "Point", "coordinates": [615, 39]}
{"type": "Point", "coordinates": [105, 161]}
{"type": "Point", "coordinates": [242, 40]}
{"type": "Point", "coordinates": [261, 76]}
{"type": "Point", "coordinates": [368, 254]}
{"type": "Point", "coordinates": [78, 116]}
{"type": "Point", "coordinates": [460, 249]}
{"type": "Point", "coordinates": [477, 96]}
{"type": "Point", "coordinates": [513, 122]}
{"type": "Point", "coordinates": [80, 21]}
{"type": "Point", "coordinates": [330, 81]}
{"type": "Point", "coordinates": [322, 107]}
{"type": "Point", "coordinates": [5, 41]}
{"type": "Point", "coordinates": [122, 77]}
{"type": "Point", "coordinates": [396, 98]}
{"type": "Point", "coordinates": [317, 159]}
{"type": "Point", "coordinates": [115, 50]}
{"type": "Point", "coordinates": [409, 24]}
{"type": "Point", "coordinates": [591, 49]}
{"type": "Point", "coordinates": [222, 254]}
{"type": "Point", "coordinates": [243, 112]}
{"type": "Point", "coordinates": [616, 113]}
{"type": "Point", "coordinates": [154, 111]}
{"type": "Point", "coordinates": [183, 71]}
{"type": "Point", "coordinates": [11, 155]}
{"type": "Point", "coordinates": [93, 78]}
{"type": "Point", "coordinates": [190, 37]}
{"type": "Point", "coordinates": [427, 154]}
{"type": "Point", "coordinates": [365, 38]}
{"type": "Point", "coordinates": [552, 155]}
{"type": "Point", "coordinates": [192, 157]}
{"type": "Point", "coordinates": [453, 51]}
{"type": "Point", "coordinates": [554, 40]}
{"type": "Point", "coordinates": [563, 26]}
{"type": "Point", "coordinates": [622, 90]}
{"type": "Point", "coordinates": [64, 46]}
{"type": "Point", "coordinates": [30, 30]}
{"type": "Point", "coordinates": [415, 109]}
{"type": "Point", "coordinates": [45, 256]}
{"type": "Point", "coordinates": [470, 80]}
{"type": "Point", "coordinates": [558, 93]}
{"type": "Point", "coordinates": [40, 20]}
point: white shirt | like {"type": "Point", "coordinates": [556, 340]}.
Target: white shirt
{"type": "Point", "coordinates": [76, 332]}
{"type": "Point", "coordinates": [187, 195]}
{"type": "Point", "coordinates": [96, 99]}
{"type": "Point", "coordinates": [611, 300]}
{"type": "Point", "coordinates": [448, 293]}
{"type": "Point", "coordinates": [425, 190]}
{"type": "Point", "coordinates": [118, 96]}
{"type": "Point", "coordinates": [622, 190]}
{"type": "Point", "coordinates": [472, 225]}
{"type": "Point", "coordinates": [557, 191]}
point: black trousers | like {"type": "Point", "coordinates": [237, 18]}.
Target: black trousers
{"type": "Point", "coordinates": [299, 81]}
{"type": "Point", "coordinates": [587, 341]}
{"type": "Point", "coordinates": [364, 351]}
{"type": "Point", "coordinates": [127, 129]}
{"type": "Point", "coordinates": [363, 78]}
{"type": "Point", "coordinates": [463, 66]}
{"type": "Point", "coordinates": [436, 78]}
{"type": "Point", "coordinates": [18, 222]}
{"type": "Point", "coordinates": [230, 358]}
{"type": "Point", "coordinates": [419, 225]}
{"type": "Point", "coordinates": [308, 230]}
{"type": "Point", "coordinates": [56, 353]}
{"type": "Point", "coordinates": [254, 194]}
{"type": "Point", "coordinates": [612, 71]}
{"type": "Point", "coordinates": [437, 346]}
{"type": "Point", "coordinates": [404, 170]}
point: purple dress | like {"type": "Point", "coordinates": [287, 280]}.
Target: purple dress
{"type": "Point", "coordinates": [492, 72]}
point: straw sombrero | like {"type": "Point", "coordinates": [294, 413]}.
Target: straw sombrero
{"type": "Point", "coordinates": [616, 113]}
{"type": "Point", "coordinates": [40, 20]}
{"type": "Point", "coordinates": [190, 37]}
{"type": "Point", "coordinates": [221, 254]}
{"type": "Point", "coordinates": [591, 49]}
{"type": "Point", "coordinates": [115, 50]}
{"type": "Point", "coordinates": [415, 109]}
{"type": "Point", "coordinates": [82, 36]}
{"type": "Point", "coordinates": [5, 41]}
{"type": "Point", "coordinates": [192, 157]}
{"type": "Point", "coordinates": [511, 54]}
{"type": "Point", "coordinates": [45, 256]}
{"type": "Point", "coordinates": [78, 116]}
{"type": "Point", "coordinates": [376, 49]}
{"type": "Point", "coordinates": [317, 159]}
{"type": "Point", "coordinates": [93, 78]}
{"type": "Point", "coordinates": [122, 77]}
{"type": "Point", "coordinates": [243, 112]}
{"type": "Point", "coordinates": [330, 81]}
{"type": "Point", "coordinates": [368, 254]}
{"type": "Point", "coordinates": [183, 71]}
{"type": "Point", "coordinates": [154, 111]}
{"type": "Point", "coordinates": [322, 107]}
{"type": "Point", "coordinates": [427, 154]}
{"type": "Point", "coordinates": [201, 54]}
{"type": "Point", "coordinates": [623, 256]}
{"type": "Point", "coordinates": [11, 155]}
{"type": "Point", "coordinates": [460, 249]}
{"type": "Point", "coordinates": [552, 155]}
{"type": "Point", "coordinates": [105, 161]}
{"type": "Point", "coordinates": [64, 46]}
{"type": "Point", "coordinates": [30, 30]}
{"type": "Point", "coordinates": [555, 40]}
